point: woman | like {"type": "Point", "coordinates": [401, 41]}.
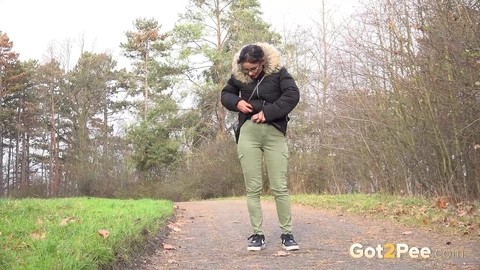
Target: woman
{"type": "Point", "coordinates": [264, 93]}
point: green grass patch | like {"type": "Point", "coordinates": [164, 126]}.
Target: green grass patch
{"type": "Point", "coordinates": [461, 218]}
{"type": "Point", "coordinates": [64, 233]}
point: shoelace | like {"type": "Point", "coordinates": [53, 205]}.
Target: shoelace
{"type": "Point", "coordinates": [288, 238]}
{"type": "Point", "coordinates": [255, 238]}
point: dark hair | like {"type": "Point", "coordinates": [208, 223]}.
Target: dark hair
{"type": "Point", "coordinates": [251, 54]}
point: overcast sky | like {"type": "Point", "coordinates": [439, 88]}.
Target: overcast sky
{"type": "Point", "coordinates": [33, 25]}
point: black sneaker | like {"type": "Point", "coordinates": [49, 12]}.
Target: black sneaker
{"type": "Point", "coordinates": [288, 243]}
{"type": "Point", "coordinates": [257, 242]}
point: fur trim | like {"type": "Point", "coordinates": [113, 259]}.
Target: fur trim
{"type": "Point", "coordinates": [273, 62]}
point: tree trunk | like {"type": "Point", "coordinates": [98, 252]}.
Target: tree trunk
{"type": "Point", "coordinates": [2, 184]}
{"type": "Point", "coordinates": [54, 169]}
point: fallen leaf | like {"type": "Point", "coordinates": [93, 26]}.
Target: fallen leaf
{"type": "Point", "coordinates": [281, 254]}
{"type": "Point", "coordinates": [173, 227]}
{"type": "Point", "coordinates": [103, 233]}
{"type": "Point", "coordinates": [407, 232]}
{"type": "Point", "coordinates": [441, 203]}
{"type": "Point", "coordinates": [38, 235]}
{"type": "Point", "coordinates": [68, 220]}
{"type": "Point", "coordinates": [168, 247]}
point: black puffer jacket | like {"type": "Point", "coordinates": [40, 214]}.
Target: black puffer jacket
{"type": "Point", "coordinates": [277, 94]}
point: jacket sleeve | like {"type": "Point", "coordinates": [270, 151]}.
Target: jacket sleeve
{"type": "Point", "coordinates": [230, 95]}
{"type": "Point", "coordinates": [286, 102]}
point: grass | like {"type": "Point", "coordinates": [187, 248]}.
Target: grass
{"type": "Point", "coordinates": [65, 233]}
{"type": "Point", "coordinates": [462, 218]}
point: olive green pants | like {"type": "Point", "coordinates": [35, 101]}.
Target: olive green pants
{"type": "Point", "coordinates": [258, 143]}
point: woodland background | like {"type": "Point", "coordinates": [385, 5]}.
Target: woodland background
{"type": "Point", "coordinates": [390, 102]}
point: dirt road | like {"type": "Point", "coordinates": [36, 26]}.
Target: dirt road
{"type": "Point", "coordinates": [213, 235]}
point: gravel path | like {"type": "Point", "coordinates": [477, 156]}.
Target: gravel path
{"type": "Point", "coordinates": [213, 235]}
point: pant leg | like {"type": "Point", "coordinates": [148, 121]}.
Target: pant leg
{"type": "Point", "coordinates": [250, 153]}
{"type": "Point", "coordinates": [276, 158]}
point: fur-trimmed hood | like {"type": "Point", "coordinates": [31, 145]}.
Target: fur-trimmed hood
{"type": "Point", "coordinates": [272, 62]}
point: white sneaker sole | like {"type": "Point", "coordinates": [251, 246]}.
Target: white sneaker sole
{"type": "Point", "coordinates": [290, 247]}
{"type": "Point", "coordinates": [256, 248]}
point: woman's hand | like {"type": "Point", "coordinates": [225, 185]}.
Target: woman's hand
{"type": "Point", "coordinates": [244, 107]}
{"type": "Point", "coordinates": [259, 118]}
